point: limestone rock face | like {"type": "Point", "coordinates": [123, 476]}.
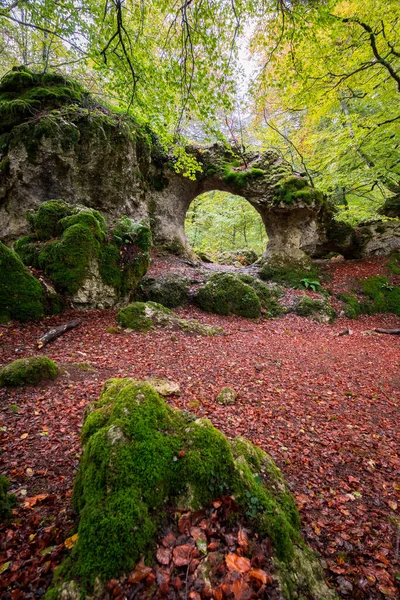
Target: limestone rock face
{"type": "Point", "coordinates": [379, 238]}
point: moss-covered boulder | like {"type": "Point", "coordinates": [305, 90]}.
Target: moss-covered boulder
{"type": "Point", "coordinates": [319, 310]}
{"type": "Point", "coordinates": [93, 266]}
{"type": "Point", "coordinates": [21, 295]}
{"type": "Point", "coordinates": [226, 396]}
{"type": "Point", "coordinates": [141, 458]}
{"type": "Point", "coordinates": [170, 290]}
{"type": "Point", "coordinates": [143, 316]}
{"type": "Point", "coordinates": [226, 294]}
{"type": "Point", "coordinates": [267, 294]}
{"type": "Point", "coordinates": [7, 501]}
{"type": "Point", "coordinates": [373, 295]}
{"type": "Point", "coordinates": [28, 371]}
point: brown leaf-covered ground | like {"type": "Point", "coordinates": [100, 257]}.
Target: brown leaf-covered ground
{"type": "Point", "coordinates": [326, 407]}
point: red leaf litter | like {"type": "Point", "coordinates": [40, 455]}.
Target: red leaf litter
{"type": "Point", "coordinates": [326, 407]}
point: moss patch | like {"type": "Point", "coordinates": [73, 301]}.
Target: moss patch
{"type": "Point", "coordinates": [268, 296]}
{"type": "Point", "coordinates": [290, 275]}
{"type": "Point", "coordinates": [226, 294]}
{"type": "Point", "coordinates": [28, 371]}
{"type": "Point", "coordinates": [240, 178]}
{"type": "Point", "coordinates": [7, 501]}
{"type": "Point", "coordinates": [67, 239]}
{"type": "Point", "coordinates": [294, 189]}
{"type": "Point", "coordinates": [377, 296]}
{"type": "Point", "coordinates": [21, 294]}
{"type": "Point", "coordinates": [320, 310]}
{"type": "Point", "coordinates": [142, 316]}
{"type": "Point", "coordinates": [141, 455]}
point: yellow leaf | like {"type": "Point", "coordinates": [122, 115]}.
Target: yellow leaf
{"type": "Point", "coordinates": [24, 436]}
{"type": "Point", "coordinates": [4, 567]}
{"type": "Point", "coordinates": [393, 505]}
{"type": "Point", "coordinates": [71, 541]}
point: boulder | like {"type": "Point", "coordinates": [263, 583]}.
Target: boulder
{"type": "Point", "coordinates": [170, 290]}
{"type": "Point", "coordinates": [91, 265]}
{"type": "Point", "coordinates": [226, 294]}
{"type": "Point", "coordinates": [140, 459]}
{"type": "Point", "coordinates": [28, 371]}
{"type": "Point", "coordinates": [226, 396]}
{"type": "Point", "coordinates": [318, 310]}
{"type": "Point", "coordinates": [143, 316]}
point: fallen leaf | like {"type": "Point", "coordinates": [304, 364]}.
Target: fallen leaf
{"type": "Point", "coordinates": [163, 555]}
{"type": "Point", "coordinates": [71, 541]}
{"type": "Point", "coordinates": [237, 563]}
{"type": "Point", "coordinates": [182, 555]}
{"type": "Point", "coordinates": [139, 572]}
{"type": "Point", "coordinates": [260, 575]}
{"type": "Point", "coordinates": [243, 540]}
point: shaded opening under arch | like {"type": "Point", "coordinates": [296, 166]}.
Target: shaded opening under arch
{"type": "Point", "coordinates": [219, 222]}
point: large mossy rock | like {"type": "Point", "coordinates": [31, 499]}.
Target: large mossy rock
{"type": "Point", "coordinates": [170, 290]}
{"type": "Point", "coordinates": [91, 265]}
{"type": "Point", "coordinates": [28, 371]}
{"type": "Point", "coordinates": [140, 457]}
{"type": "Point", "coordinates": [243, 295]}
{"type": "Point", "coordinates": [21, 295]}
{"type": "Point", "coordinates": [143, 316]}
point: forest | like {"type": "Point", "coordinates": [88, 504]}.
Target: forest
{"type": "Point", "coordinates": [199, 299]}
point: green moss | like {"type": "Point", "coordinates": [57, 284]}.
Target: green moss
{"type": "Point", "coordinates": [293, 188]}
{"type": "Point", "coordinates": [21, 295]}
{"type": "Point", "coordinates": [67, 260]}
{"type": "Point", "coordinates": [75, 238]}
{"type": "Point", "coordinates": [307, 307]}
{"type": "Point", "coordinates": [24, 93]}
{"type": "Point", "coordinates": [170, 290]}
{"type": "Point", "coordinates": [140, 454]}
{"type": "Point", "coordinates": [394, 263]}
{"type": "Point", "coordinates": [352, 307]}
{"type": "Point", "coordinates": [226, 294]}
{"type": "Point", "coordinates": [7, 501]}
{"type": "Point", "coordinates": [28, 371]}
{"type": "Point", "coordinates": [134, 317]}
{"type": "Point", "coordinates": [239, 179]}
{"type": "Point", "coordinates": [45, 222]}
{"type": "Point", "coordinates": [267, 296]}
{"type": "Point", "coordinates": [290, 275]}
{"type": "Point", "coordinates": [28, 249]}
{"type": "Point", "coordinates": [377, 296]}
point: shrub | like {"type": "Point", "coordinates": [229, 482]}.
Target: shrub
{"type": "Point", "coordinates": [28, 371]}
{"type": "Point", "coordinates": [226, 294]}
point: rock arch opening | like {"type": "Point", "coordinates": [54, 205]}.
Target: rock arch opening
{"type": "Point", "coordinates": [219, 222]}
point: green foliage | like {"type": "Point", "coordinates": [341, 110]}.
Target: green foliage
{"type": "Point", "coordinates": [68, 239]}
{"type": "Point", "coordinates": [21, 295]}
{"type": "Point", "coordinates": [311, 284]}
{"type": "Point", "coordinates": [141, 455]}
{"type": "Point", "coordinates": [225, 294]}
{"type": "Point", "coordinates": [28, 371]}
{"type": "Point", "coordinates": [238, 224]}
{"type": "Point", "coordinates": [7, 501]}
{"type": "Point", "coordinates": [170, 290]}
{"type": "Point", "coordinates": [291, 276]}
{"type": "Point", "coordinates": [23, 94]}
{"type": "Point", "coordinates": [394, 263]}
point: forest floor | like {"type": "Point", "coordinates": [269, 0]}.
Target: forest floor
{"type": "Point", "coordinates": [326, 407]}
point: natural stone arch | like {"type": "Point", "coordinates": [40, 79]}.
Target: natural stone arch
{"type": "Point", "coordinates": [294, 214]}
{"type": "Point", "coordinates": [93, 160]}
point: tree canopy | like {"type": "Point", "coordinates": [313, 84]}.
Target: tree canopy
{"type": "Point", "coordinates": [320, 81]}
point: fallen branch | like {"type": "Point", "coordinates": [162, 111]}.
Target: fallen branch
{"type": "Point", "coordinates": [56, 332]}
{"type": "Point", "coordinates": [389, 331]}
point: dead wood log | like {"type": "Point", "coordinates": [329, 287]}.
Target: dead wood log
{"type": "Point", "coordinates": [389, 331]}
{"type": "Point", "coordinates": [55, 332]}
